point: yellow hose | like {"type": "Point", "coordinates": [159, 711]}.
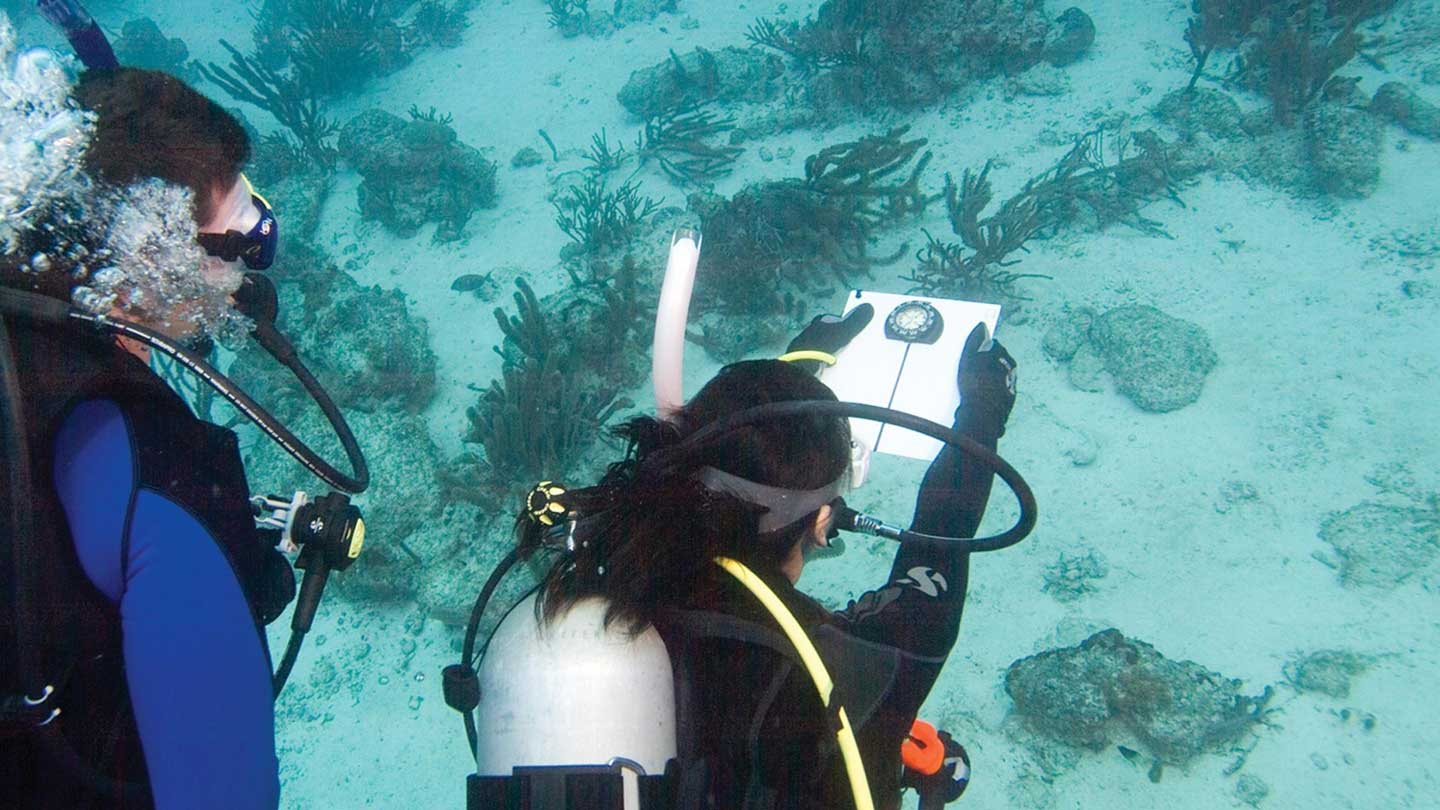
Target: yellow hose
{"type": "Point", "coordinates": [849, 749]}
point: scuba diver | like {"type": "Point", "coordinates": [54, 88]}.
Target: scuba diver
{"type": "Point", "coordinates": [135, 585]}
{"type": "Point", "coordinates": [667, 654]}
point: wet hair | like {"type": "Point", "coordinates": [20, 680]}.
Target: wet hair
{"type": "Point", "coordinates": [656, 529]}
{"type": "Point", "coordinates": [148, 125]}
{"type": "Point", "coordinates": [151, 124]}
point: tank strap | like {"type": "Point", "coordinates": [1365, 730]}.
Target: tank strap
{"type": "Point", "coordinates": [571, 787]}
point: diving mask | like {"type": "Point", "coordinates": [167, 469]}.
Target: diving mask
{"type": "Point", "coordinates": [250, 234]}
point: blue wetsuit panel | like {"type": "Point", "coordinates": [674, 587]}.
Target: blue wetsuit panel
{"type": "Point", "coordinates": [198, 676]}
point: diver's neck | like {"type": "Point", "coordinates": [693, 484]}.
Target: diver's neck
{"type": "Point", "coordinates": [135, 348]}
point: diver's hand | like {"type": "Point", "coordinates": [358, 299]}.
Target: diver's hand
{"type": "Point", "coordinates": [946, 784]}
{"type": "Point", "coordinates": [830, 334]}
{"type": "Point", "coordinates": [67, 15]}
{"type": "Point", "coordinates": [987, 382]}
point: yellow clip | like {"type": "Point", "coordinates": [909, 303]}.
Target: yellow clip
{"type": "Point", "coordinates": [357, 540]}
{"type": "Point", "coordinates": [807, 354]}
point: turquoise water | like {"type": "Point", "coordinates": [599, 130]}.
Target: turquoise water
{"type": "Point", "coordinates": [1227, 345]}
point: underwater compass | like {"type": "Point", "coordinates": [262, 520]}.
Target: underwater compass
{"type": "Point", "coordinates": [910, 323]}
{"type": "Point", "coordinates": [914, 322]}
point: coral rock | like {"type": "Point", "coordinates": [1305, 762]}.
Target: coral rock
{"type": "Point", "coordinates": [415, 172]}
{"type": "Point", "coordinates": [1111, 688]}
{"type": "Point", "coordinates": [727, 75]}
{"type": "Point", "coordinates": [1406, 108]}
{"type": "Point", "coordinates": [1071, 38]}
{"type": "Point", "coordinates": [1381, 545]}
{"type": "Point", "coordinates": [1344, 144]}
{"type": "Point", "coordinates": [1158, 361]}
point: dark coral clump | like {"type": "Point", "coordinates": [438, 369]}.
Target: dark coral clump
{"type": "Point", "coordinates": [801, 233]}
{"type": "Point", "coordinates": [293, 103]}
{"type": "Point", "coordinates": [774, 244]}
{"type": "Point", "coordinates": [1285, 50]}
{"type": "Point", "coordinates": [573, 18]}
{"type": "Point", "coordinates": [1111, 689]}
{"type": "Point", "coordinates": [438, 23]}
{"type": "Point", "coordinates": [549, 405]}
{"type": "Point", "coordinates": [332, 47]}
{"type": "Point", "coordinates": [682, 142]}
{"type": "Point", "coordinates": [600, 220]}
{"type": "Point", "coordinates": [915, 52]}
{"type": "Point", "coordinates": [1100, 181]}
{"type": "Point", "coordinates": [416, 171]}
{"type": "Point", "coordinates": [535, 422]}
{"type": "Point", "coordinates": [946, 268]}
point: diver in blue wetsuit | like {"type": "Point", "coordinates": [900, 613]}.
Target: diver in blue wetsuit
{"type": "Point", "coordinates": [133, 582]}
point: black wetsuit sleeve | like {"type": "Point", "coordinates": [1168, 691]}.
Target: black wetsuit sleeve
{"type": "Point", "coordinates": [915, 617]}
{"type": "Point", "coordinates": [918, 610]}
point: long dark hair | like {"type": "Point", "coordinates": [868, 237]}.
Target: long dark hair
{"type": "Point", "coordinates": [657, 531]}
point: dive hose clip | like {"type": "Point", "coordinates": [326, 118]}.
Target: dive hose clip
{"type": "Point", "coordinates": [851, 520]}
{"type": "Point", "coordinates": [544, 506]}
{"type": "Point", "coordinates": [461, 687]}
{"type": "Point", "coordinates": [561, 537]}
{"type": "Point", "coordinates": [273, 512]}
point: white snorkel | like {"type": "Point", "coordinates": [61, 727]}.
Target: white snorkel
{"type": "Point", "coordinates": [667, 367]}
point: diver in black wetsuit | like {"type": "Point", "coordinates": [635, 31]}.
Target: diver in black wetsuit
{"type": "Point", "coordinates": [752, 733]}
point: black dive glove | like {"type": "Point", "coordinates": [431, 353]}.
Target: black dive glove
{"type": "Point", "coordinates": [946, 784]}
{"type": "Point", "coordinates": [987, 384]}
{"type": "Point", "coordinates": [829, 334]}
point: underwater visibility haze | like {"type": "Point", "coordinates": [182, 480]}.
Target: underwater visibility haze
{"type": "Point", "coordinates": [1211, 226]}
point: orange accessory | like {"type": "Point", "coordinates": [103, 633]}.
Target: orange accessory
{"type": "Point", "coordinates": [922, 750]}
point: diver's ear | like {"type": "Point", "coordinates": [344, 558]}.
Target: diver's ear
{"type": "Point", "coordinates": [821, 530]}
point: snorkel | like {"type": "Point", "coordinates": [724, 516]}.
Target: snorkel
{"type": "Point", "coordinates": [667, 367]}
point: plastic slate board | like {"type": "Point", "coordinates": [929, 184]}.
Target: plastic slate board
{"type": "Point", "coordinates": [876, 370]}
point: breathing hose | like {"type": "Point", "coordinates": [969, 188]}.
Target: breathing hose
{"type": "Point", "coordinates": [849, 519]}
{"type": "Point", "coordinates": [33, 306]}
